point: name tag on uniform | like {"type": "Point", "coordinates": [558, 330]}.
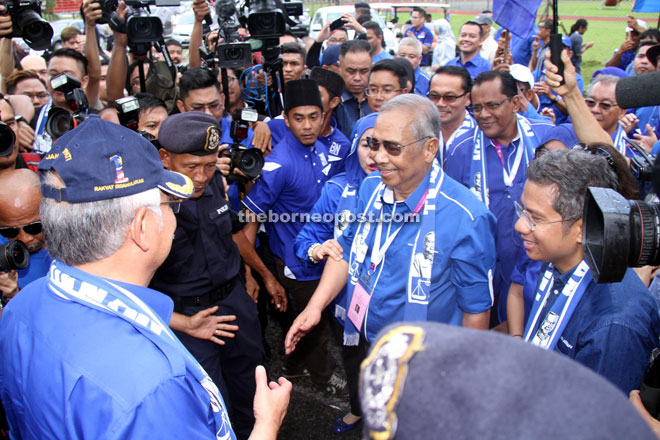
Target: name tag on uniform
{"type": "Point", "coordinates": [222, 209]}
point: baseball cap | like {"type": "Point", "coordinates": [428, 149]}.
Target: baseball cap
{"type": "Point", "coordinates": [610, 71]}
{"type": "Point", "coordinates": [483, 19]}
{"type": "Point", "coordinates": [640, 23]}
{"type": "Point", "coordinates": [522, 73]}
{"type": "Point", "coordinates": [99, 160]}
{"type": "Point", "coordinates": [330, 55]}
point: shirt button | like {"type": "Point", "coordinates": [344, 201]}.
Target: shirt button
{"type": "Point", "coordinates": [305, 155]}
{"type": "Point", "coordinates": [318, 181]}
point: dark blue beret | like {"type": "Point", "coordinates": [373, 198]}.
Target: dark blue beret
{"type": "Point", "coordinates": [428, 380]}
{"type": "Point", "coordinates": [190, 132]}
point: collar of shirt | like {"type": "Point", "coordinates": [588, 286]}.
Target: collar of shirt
{"type": "Point", "coordinates": [560, 279]}
{"type": "Point", "coordinates": [160, 303]}
{"type": "Point", "coordinates": [514, 142]}
{"type": "Point", "coordinates": [413, 199]}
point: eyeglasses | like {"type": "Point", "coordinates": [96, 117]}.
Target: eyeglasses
{"type": "Point", "coordinates": [41, 95]}
{"type": "Point", "coordinates": [391, 148]}
{"type": "Point", "coordinates": [337, 40]}
{"type": "Point", "coordinates": [531, 224]}
{"type": "Point", "coordinates": [492, 106]}
{"type": "Point", "coordinates": [374, 91]}
{"type": "Point", "coordinates": [175, 204]}
{"type": "Point", "coordinates": [448, 99]}
{"type": "Point", "coordinates": [33, 228]}
{"type": "Point", "coordinates": [213, 107]}
{"type": "Point", "coordinates": [591, 103]}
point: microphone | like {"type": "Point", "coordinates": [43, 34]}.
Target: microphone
{"type": "Point", "coordinates": [639, 91]}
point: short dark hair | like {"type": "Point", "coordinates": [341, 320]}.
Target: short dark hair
{"type": "Point", "coordinates": [70, 53]}
{"type": "Point", "coordinates": [196, 78]}
{"type": "Point", "coordinates": [644, 44]}
{"type": "Point", "coordinates": [18, 76]}
{"type": "Point", "coordinates": [362, 19]}
{"type": "Point", "coordinates": [354, 46]}
{"type": "Point", "coordinates": [69, 32]}
{"type": "Point", "coordinates": [547, 23]}
{"type": "Point", "coordinates": [509, 87]}
{"type": "Point", "coordinates": [149, 102]}
{"type": "Point", "coordinates": [390, 65]}
{"type": "Point", "coordinates": [378, 32]}
{"type": "Point", "coordinates": [652, 33]}
{"type": "Point", "coordinates": [292, 47]}
{"type": "Point", "coordinates": [461, 72]}
{"type": "Point", "coordinates": [474, 23]}
{"type": "Point", "coordinates": [173, 42]}
{"type": "Point", "coordinates": [420, 10]}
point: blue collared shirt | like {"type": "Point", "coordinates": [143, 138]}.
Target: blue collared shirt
{"type": "Point", "coordinates": [421, 82]}
{"type": "Point", "coordinates": [384, 55]}
{"type": "Point", "coordinates": [613, 329]}
{"type": "Point", "coordinates": [349, 111]}
{"type": "Point", "coordinates": [425, 36]}
{"type": "Point", "coordinates": [291, 183]}
{"type": "Point", "coordinates": [465, 255]}
{"type": "Point", "coordinates": [69, 371]}
{"type": "Point", "coordinates": [475, 66]}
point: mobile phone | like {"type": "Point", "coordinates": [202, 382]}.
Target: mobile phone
{"type": "Point", "coordinates": [337, 24]}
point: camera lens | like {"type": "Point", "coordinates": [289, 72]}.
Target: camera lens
{"type": "Point", "coordinates": [251, 162]}
{"type": "Point", "coordinates": [36, 31]}
{"type": "Point", "coordinates": [144, 29]}
{"type": "Point", "coordinates": [7, 140]}
{"type": "Point", "coordinates": [59, 122]}
{"type": "Point", "coordinates": [14, 255]}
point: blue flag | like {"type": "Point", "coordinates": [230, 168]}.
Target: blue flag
{"type": "Point", "coordinates": [518, 16]}
{"type": "Point", "coordinates": [646, 6]}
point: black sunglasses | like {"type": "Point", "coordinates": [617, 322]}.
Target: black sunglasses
{"type": "Point", "coordinates": [33, 228]}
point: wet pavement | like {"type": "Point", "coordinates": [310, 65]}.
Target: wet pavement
{"type": "Point", "coordinates": [312, 413]}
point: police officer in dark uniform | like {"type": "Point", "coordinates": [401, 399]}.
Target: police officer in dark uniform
{"type": "Point", "coordinates": [202, 273]}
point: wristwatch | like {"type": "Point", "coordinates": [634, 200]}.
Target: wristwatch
{"type": "Point", "coordinates": [310, 253]}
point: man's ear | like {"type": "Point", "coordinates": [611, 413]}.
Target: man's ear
{"type": "Point", "coordinates": [166, 158]}
{"type": "Point", "coordinates": [137, 229]}
{"type": "Point", "coordinates": [286, 119]}
{"type": "Point", "coordinates": [430, 149]}
{"type": "Point", "coordinates": [578, 239]}
{"type": "Point", "coordinates": [334, 102]}
{"type": "Point", "coordinates": [516, 103]}
{"type": "Point", "coordinates": [179, 105]}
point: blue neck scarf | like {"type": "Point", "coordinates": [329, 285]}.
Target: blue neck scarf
{"type": "Point", "coordinates": [104, 296]}
{"type": "Point", "coordinates": [478, 168]}
{"type": "Point", "coordinates": [418, 288]}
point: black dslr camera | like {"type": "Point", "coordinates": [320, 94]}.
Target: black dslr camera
{"type": "Point", "coordinates": [7, 140]}
{"type": "Point", "coordinates": [27, 23]}
{"type": "Point", "coordinates": [59, 120]}
{"type": "Point", "coordinates": [249, 161]}
{"type": "Point", "coordinates": [128, 112]}
{"type": "Point", "coordinates": [14, 255]}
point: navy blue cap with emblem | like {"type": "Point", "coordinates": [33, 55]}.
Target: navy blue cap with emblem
{"type": "Point", "coordinates": [99, 160]}
{"type": "Point", "coordinates": [427, 380]}
{"type": "Point", "coordinates": [193, 133]}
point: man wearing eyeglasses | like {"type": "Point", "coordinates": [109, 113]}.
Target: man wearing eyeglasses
{"type": "Point", "coordinates": [405, 205]}
{"type": "Point", "coordinates": [19, 220]}
{"type": "Point", "coordinates": [450, 92]}
{"type": "Point", "coordinates": [387, 80]}
{"type": "Point", "coordinates": [609, 328]}
{"type": "Point", "coordinates": [202, 272]}
{"type": "Point", "coordinates": [493, 165]}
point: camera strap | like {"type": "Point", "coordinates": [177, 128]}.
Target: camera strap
{"type": "Point", "coordinates": [162, 48]}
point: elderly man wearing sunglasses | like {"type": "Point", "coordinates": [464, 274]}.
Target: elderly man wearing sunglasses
{"type": "Point", "coordinates": [19, 220]}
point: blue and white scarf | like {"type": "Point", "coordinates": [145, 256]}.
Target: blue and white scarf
{"type": "Point", "coordinates": [420, 268]}
{"type": "Point", "coordinates": [443, 148]}
{"type": "Point", "coordinates": [104, 296]}
{"type": "Point", "coordinates": [554, 322]}
{"type": "Point", "coordinates": [619, 141]}
{"type": "Point", "coordinates": [478, 168]}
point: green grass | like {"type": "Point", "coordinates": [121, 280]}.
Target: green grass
{"type": "Point", "coordinates": [607, 35]}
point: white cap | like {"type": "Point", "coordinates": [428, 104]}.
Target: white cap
{"type": "Point", "coordinates": [640, 23]}
{"type": "Point", "coordinates": [522, 73]}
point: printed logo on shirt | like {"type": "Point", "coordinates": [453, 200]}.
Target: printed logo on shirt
{"type": "Point", "coordinates": [334, 148]}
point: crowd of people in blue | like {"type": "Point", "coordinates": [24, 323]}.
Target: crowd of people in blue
{"type": "Point", "coordinates": [440, 181]}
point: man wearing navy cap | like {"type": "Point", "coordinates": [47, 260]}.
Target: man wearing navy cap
{"type": "Point", "coordinates": [290, 185]}
{"type": "Point", "coordinates": [202, 272]}
{"type": "Point", "coordinates": [86, 352]}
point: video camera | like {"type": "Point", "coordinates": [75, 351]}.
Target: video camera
{"type": "Point", "coordinates": [27, 23]}
{"type": "Point", "coordinates": [618, 233]}
{"type": "Point", "coordinates": [250, 161]}
{"type": "Point", "coordinates": [59, 120]}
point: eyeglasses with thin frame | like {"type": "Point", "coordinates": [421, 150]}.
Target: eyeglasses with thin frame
{"type": "Point", "coordinates": [337, 40]}
{"type": "Point", "coordinates": [448, 99]}
{"type": "Point", "coordinates": [591, 103]}
{"type": "Point", "coordinates": [492, 106]}
{"type": "Point", "coordinates": [33, 228]}
{"type": "Point", "coordinates": [531, 223]}
{"type": "Point", "coordinates": [174, 203]}
{"type": "Point", "coordinates": [374, 91]}
{"type": "Point", "coordinates": [391, 148]}
{"type": "Point", "coordinates": [213, 107]}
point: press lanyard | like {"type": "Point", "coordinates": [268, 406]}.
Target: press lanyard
{"type": "Point", "coordinates": [508, 177]}
{"type": "Point", "coordinates": [377, 253]}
